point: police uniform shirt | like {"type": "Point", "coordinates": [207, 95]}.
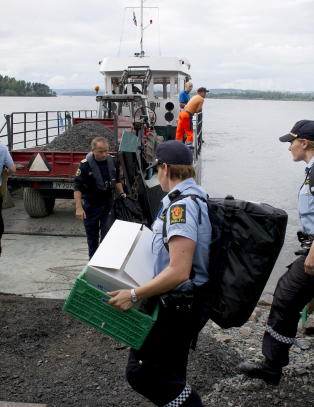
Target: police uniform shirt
{"type": "Point", "coordinates": [85, 182]}
{"type": "Point", "coordinates": [183, 220]}
{"type": "Point", "coordinates": [306, 203]}
{"type": "Point", "coordinates": [5, 159]}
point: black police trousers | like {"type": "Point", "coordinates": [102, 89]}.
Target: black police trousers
{"type": "Point", "coordinates": [158, 369]}
{"type": "Point", "coordinates": [1, 221]}
{"type": "Point", "coordinates": [294, 290]}
{"type": "Point", "coordinates": [97, 223]}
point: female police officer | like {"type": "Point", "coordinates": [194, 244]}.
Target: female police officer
{"type": "Point", "coordinates": [296, 287]}
{"type": "Point", "coordinates": [158, 369]}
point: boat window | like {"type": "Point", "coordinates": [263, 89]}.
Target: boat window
{"type": "Point", "coordinates": [181, 83]}
{"type": "Point", "coordinates": [157, 90]}
{"type": "Point", "coordinates": [115, 85]}
{"type": "Point", "coordinates": [162, 90]}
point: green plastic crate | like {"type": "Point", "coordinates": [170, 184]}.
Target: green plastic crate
{"type": "Point", "coordinates": [88, 304]}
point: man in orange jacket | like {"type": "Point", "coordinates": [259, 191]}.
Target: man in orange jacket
{"type": "Point", "coordinates": [185, 125]}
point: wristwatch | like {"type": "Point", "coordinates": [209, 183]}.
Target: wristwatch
{"type": "Point", "coordinates": [134, 297]}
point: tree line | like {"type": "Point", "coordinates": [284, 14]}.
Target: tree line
{"type": "Point", "coordinates": [266, 95]}
{"type": "Point", "coordinates": [12, 87]}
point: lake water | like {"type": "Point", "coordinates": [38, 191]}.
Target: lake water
{"type": "Point", "coordinates": [241, 156]}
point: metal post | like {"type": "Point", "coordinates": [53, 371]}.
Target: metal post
{"type": "Point", "coordinates": [36, 128]}
{"type": "Point", "coordinates": [115, 128]}
{"type": "Point", "coordinates": [25, 130]}
{"type": "Point", "coordinates": [9, 131]}
{"type": "Point", "coordinates": [47, 131]}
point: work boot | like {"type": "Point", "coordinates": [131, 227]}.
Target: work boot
{"type": "Point", "coordinates": [262, 370]}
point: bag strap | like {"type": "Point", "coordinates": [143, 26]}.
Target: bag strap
{"type": "Point", "coordinates": [164, 214]}
{"type": "Point", "coordinates": [111, 170]}
{"type": "Point", "coordinates": [310, 177]}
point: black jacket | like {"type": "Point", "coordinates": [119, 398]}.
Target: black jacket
{"type": "Point", "coordinates": [85, 180]}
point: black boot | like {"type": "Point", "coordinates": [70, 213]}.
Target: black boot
{"type": "Point", "coordinates": [262, 370]}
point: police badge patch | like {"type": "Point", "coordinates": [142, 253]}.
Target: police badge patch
{"type": "Point", "coordinates": [78, 172]}
{"type": "Point", "coordinates": [178, 214]}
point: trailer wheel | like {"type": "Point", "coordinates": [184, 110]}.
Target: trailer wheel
{"type": "Point", "coordinates": [35, 204]}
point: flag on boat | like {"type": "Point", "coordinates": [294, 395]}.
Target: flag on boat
{"type": "Point", "coordinates": [134, 18]}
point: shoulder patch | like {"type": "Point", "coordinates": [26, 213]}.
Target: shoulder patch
{"type": "Point", "coordinates": [84, 160]}
{"type": "Point", "coordinates": [78, 172]}
{"type": "Point", "coordinates": [178, 214]}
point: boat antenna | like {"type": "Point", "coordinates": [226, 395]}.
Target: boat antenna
{"type": "Point", "coordinates": [142, 27]}
{"type": "Point", "coordinates": [159, 34]}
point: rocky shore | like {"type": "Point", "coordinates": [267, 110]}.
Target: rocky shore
{"type": "Point", "coordinates": [48, 357]}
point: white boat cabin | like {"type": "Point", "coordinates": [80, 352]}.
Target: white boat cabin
{"type": "Point", "coordinates": [160, 79]}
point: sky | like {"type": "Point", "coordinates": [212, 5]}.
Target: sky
{"type": "Point", "coordinates": [242, 44]}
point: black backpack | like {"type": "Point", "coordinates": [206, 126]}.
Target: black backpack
{"type": "Point", "coordinates": [246, 240]}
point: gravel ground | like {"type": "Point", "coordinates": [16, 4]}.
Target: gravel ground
{"type": "Point", "coordinates": [46, 356]}
{"type": "Point", "coordinates": [79, 137]}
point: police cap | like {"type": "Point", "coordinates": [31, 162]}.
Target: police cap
{"type": "Point", "coordinates": [173, 152]}
{"type": "Point", "coordinates": [302, 129]}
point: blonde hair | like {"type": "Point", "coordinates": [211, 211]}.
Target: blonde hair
{"type": "Point", "coordinates": [188, 85]}
{"type": "Point", "coordinates": [182, 172]}
{"type": "Point", "coordinates": [311, 144]}
{"type": "Point", "coordinates": [98, 139]}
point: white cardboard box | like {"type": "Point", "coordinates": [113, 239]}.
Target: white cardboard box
{"type": "Point", "coordinates": [123, 259]}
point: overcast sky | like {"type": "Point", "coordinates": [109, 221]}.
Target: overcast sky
{"type": "Point", "coordinates": [247, 44]}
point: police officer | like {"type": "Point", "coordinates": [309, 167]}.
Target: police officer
{"type": "Point", "coordinates": [158, 369]}
{"type": "Point", "coordinates": [296, 287]}
{"type": "Point", "coordinates": [96, 179]}
{"type": "Point", "coordinates": [6, 166]}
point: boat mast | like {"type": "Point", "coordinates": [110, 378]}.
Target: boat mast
{"type": "Point", "coordinates": [142, 29]}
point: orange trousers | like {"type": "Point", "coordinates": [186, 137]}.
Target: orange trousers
{"type": "Point", "coordinates": [185, 126]}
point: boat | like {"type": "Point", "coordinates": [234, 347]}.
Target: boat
{"type": "Point", "coordinates": [139, 106]}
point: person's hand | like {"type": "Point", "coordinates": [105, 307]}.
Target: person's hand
{"type": "Point", "coordinates": [80, 214]}
{"type": "Point", "coordinates": [309, 264]}
{"type": "Point", "coordinates": [121, 299]}
{"type": "Point", "coordinates": [123, 195]}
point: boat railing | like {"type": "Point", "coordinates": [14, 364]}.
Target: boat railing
{"type": "Point", "coordinates": [32, 129]}
{"type": "Point", "coordinates": [198, 133]}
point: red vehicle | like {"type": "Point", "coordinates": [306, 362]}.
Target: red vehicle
{"type": "Point", "coordinates": [49, 175]}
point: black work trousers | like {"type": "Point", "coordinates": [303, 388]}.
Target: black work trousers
{"type": "Point", "coordinates": [294, 290]}
{"type": "Point", "coordinates": [97, 223]}
{"type": "Point", "coordinates": [158, 369]}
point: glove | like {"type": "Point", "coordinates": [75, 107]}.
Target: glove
{"type": "Point", "coordinates": [123, 195]}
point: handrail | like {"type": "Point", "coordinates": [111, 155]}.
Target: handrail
{"type": "Point", "coordinates": [32, 129]}
{"type": "Point", "coordinates": [198, 139]}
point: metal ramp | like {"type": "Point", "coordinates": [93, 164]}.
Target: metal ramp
{"type": "Point", "coordinates": [135, 75]}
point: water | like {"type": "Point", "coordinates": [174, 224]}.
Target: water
{"type": "Point", "coordinates": [33, 104]}
{"type": "Point", "coordinates": [241, 156]}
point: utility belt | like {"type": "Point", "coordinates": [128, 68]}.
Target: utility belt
{"type": "Point", "coordinates": [306, 243]}
{"type": "Point", "coordinates": [189, 112]}
{"type": "Point", "coordinates": [108, 185]}
{"type": "Point", "coordinates": [177, 300]}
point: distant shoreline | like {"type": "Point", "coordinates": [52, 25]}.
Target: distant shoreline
{"type": "Point", "coordinates": [309, 98]}
{"type": "Point", "coordinates": [260, 98]}
{"type": "Point", "coordinates": [28, 96]}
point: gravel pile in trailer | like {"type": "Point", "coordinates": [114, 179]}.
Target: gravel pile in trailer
{"type": "Point", "coordinates": [79, 137]}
